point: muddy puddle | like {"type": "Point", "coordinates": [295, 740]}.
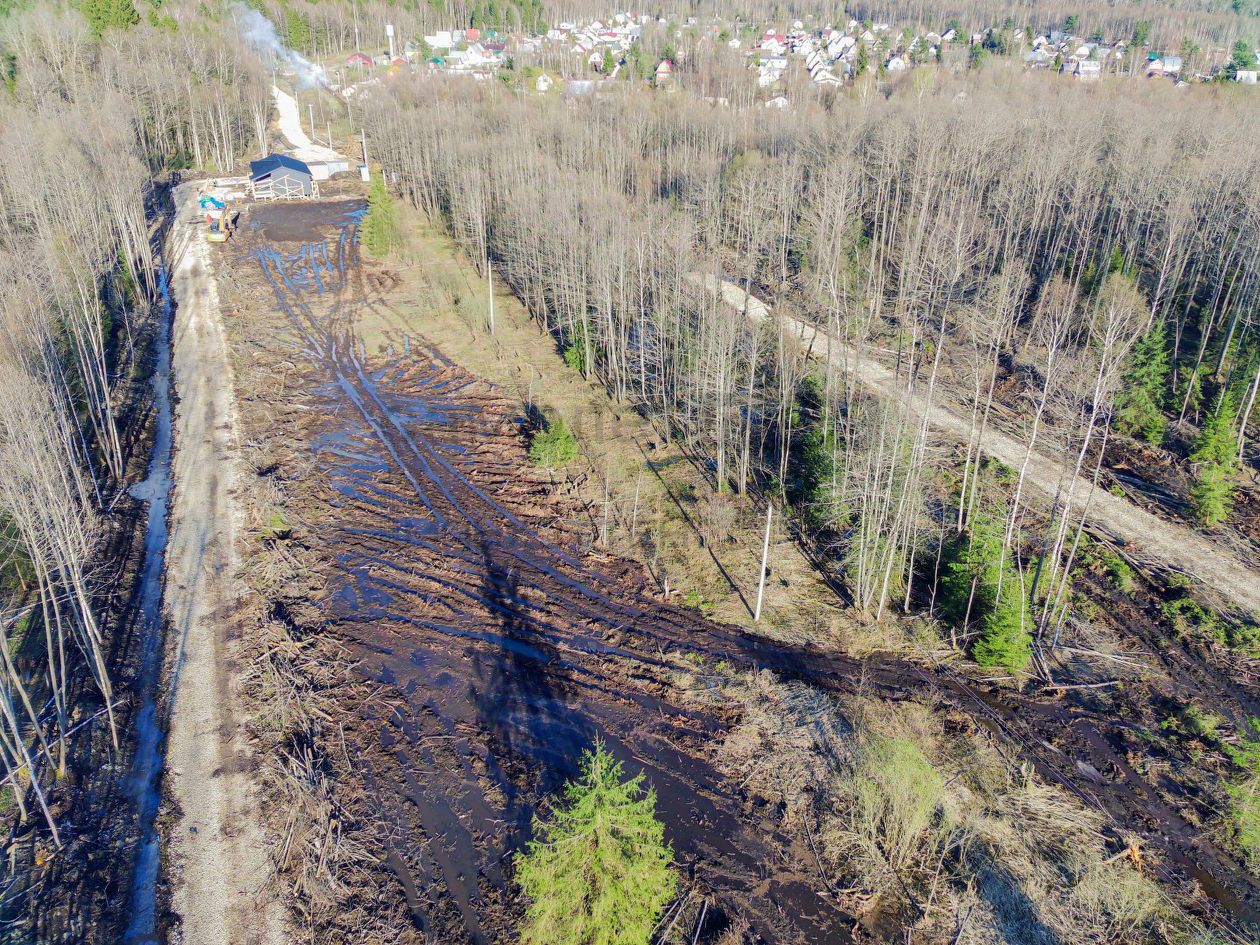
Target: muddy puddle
{"type": "Point", "coordinates": [466, 591]}
{"type": "Point", "coordinates": [144, 779]}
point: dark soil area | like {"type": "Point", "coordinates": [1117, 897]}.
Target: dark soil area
{"type": "Point", "coordinates": [492, 641]}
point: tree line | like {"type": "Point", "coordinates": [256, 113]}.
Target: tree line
{"type": "Point", "coordinates": [966, 231]}
{"type": "Point", "coordinates": [96, 103]}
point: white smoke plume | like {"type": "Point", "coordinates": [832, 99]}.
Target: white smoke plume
{"type": "Point", "coordinates": [261, 35]}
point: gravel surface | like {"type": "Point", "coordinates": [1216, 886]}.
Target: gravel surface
{"type": "Point", "coordinates": [217, 858]}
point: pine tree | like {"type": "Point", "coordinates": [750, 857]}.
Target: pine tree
{"type": "Point", "coordinates": [1140, 400]}
{"type": "Point", "coordinates": [598, 871]}
{"type": "Point", "coordinates": [104, 15]}
{"type": "Point", "coordinates": [1216, 458]}
{"type": "Point", "coordinates": [380, 225]}
{"type": "Point", "coordinates": [297, 30]}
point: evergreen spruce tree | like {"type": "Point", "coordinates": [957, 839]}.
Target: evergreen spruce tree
{"type": "Point", "coordinates": [1216, 458]}
{"type": "Point", "coordinates": [1004, 637]}
{"type": "Point", "coordinates": [598, 871]}
{"type": "Point", "coordinates": [380, 224]}
{"type": "Point", "coordinates": [297, 30]}
{"type": "Point", "coordinates": [104, 15]}
{"type": "Point", "coordinates": [970, 595]}
{"type": "Point", "coordinates": [1140, 400]}
{"type": "Point", "coordinates": [969, 577]}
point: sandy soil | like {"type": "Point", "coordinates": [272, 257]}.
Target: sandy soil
{"type": "Point", "coordinates": [1159, 542]}
{"type": "Point", "coordinates": [217, 860]}
{"type": "Point", "coordinates": [290, 121]}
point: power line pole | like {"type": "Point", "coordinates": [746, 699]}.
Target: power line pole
{"type": "Point", "coordinates": [490, 289]}
{"type": "Point", "coordinates": [765, 554]}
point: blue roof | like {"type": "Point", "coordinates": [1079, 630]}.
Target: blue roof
{"type": "Point", "coordinates": [273, 162]}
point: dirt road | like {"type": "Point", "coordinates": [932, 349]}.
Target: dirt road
{"type": "Point", "coordinates": [290, 122]}
{"type": "Point", "coordinates": [1165, 544]}
{"type": "Point", "coordinates": [217, 860]}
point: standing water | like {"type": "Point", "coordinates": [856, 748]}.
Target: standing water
{"type": "Point", "coordinates": [143, 785]}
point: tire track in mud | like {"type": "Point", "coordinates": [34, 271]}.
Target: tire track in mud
{"type": "Point", "coordinates": [509, 650]}
{"type": "Point", "coordinates": [511, 653]}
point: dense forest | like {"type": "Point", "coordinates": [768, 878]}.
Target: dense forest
{"type": "Point", "coordinates": [1082, 249]}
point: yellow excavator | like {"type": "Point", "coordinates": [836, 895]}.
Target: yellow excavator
{"type": "Point", "coordinates": [220, 227]}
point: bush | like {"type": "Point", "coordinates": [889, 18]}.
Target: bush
{"type": "Point", "coordinates": [896, 796]}
{"type": "Point", "coordinates": [553, 446]}
{"type": "Point", "coordinates": [598, 871]}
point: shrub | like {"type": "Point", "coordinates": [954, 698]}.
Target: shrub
{"type": "Point", "coordinates": [896, 796]}
{"type": "Point", "coordinates": [598, 871]}
{"type": "Point", "coordinates": [553, 446]}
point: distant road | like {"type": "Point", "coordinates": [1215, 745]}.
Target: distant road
{"type": "Point", "coordinates": [1166, 544]}
{"type": "Point", "coordinates": [291, 127]}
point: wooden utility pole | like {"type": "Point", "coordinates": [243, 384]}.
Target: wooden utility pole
{"type": "Point", "coordinates": [765, 554]}
{"type": "Point", "coordinates": [490, 290]}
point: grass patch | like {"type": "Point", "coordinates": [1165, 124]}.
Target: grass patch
{"type": "Point", "coordinates": [1244, 793]}
{"type": "Point", "coordinates": [1195, 722]}
{"type": "Point", "coordinates": [277, 526]}
{"type": "Point", "coordinates": [897, 799]}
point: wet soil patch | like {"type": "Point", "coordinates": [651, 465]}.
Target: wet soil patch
{"type": "Point", "coordinates": [492, 642]}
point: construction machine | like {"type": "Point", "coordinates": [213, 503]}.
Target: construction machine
{"type": "Point", "coordinates": [220, 225]}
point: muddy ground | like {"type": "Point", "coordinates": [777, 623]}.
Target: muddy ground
{"type": "Point", "coordinates": [487, 639]}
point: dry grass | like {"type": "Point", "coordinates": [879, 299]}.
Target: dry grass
{"type": "Point", "coordinates": [645, 496]}
{"type": "Point", "coordinates": [916, 825]}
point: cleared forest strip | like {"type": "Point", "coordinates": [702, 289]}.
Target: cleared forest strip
{"type": "Point", "coordinates": [1170, 546]}
{"type": "Point", "coordinates": [218, 861]}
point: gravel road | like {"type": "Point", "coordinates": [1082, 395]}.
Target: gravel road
{"type": "Point", "coordinates": [217, 860]}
